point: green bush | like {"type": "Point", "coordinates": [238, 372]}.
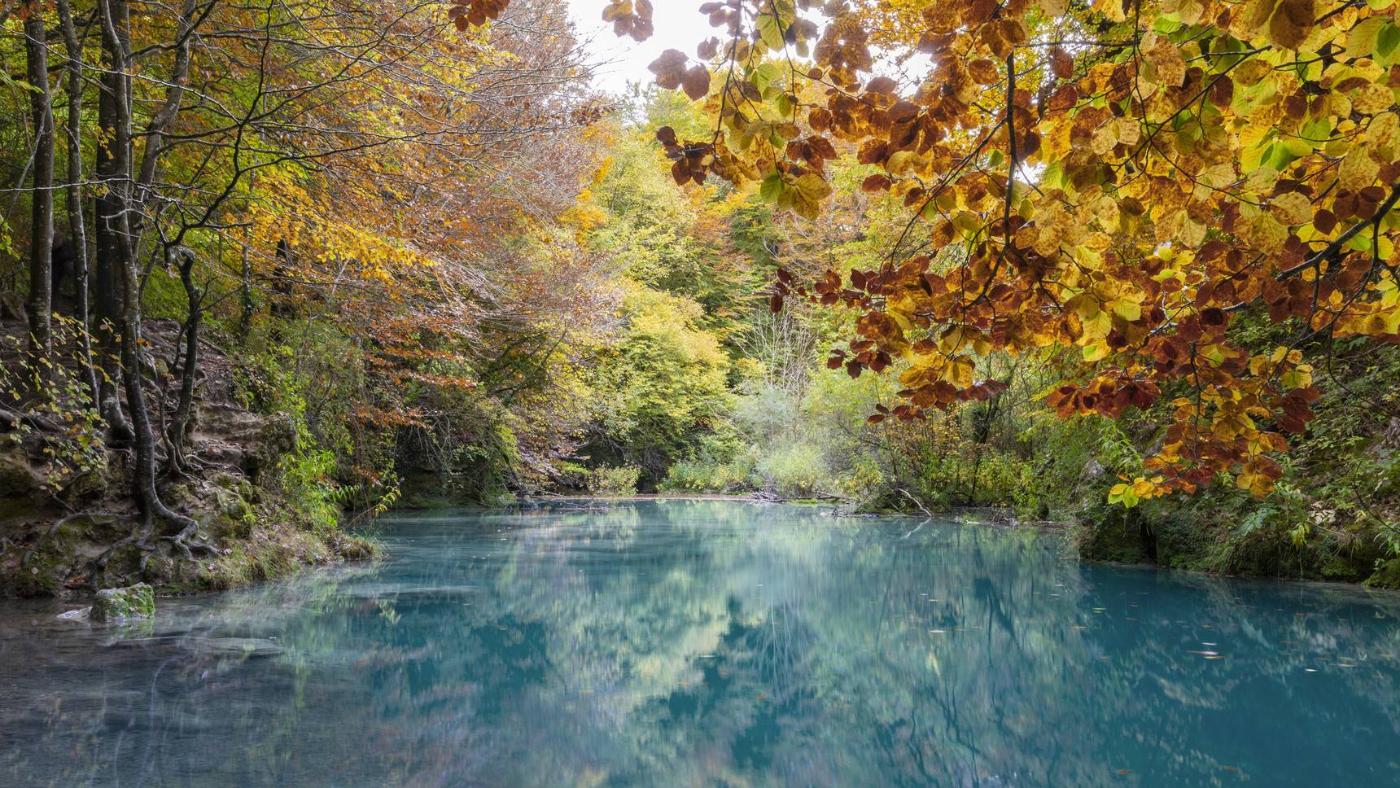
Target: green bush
{"type": "Point", "coordinates": [615, 481]}
{"type": "Point", "coordinates": [796, 469]}
{"type": "Point", "coordinates": [705, 474]}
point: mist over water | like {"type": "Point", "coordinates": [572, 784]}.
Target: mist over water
{"type": "Point", "coordinates": [712, 643]}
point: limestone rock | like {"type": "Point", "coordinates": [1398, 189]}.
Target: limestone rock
{"type": "Point", "coordinates": [121, 604]}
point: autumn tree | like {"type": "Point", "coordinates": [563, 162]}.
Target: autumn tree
{"type": "Point", "coordinates": [356, 168]}
{"type": "Point", "coordinates": [1122, 178]}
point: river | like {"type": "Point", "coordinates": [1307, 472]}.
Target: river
{"type": "Point", "coordinates": [713, 642]}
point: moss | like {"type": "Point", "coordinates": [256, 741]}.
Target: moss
{"type": "Point", "coordinates": [354, 548]}
{"type": "Point", "coordinates": [1113, 534]}
{"type": "Point", "coordinates": [234, 516]}
{"type": "Point", "coordinates": [1386, 576]}
{"type": "Point", "coordinates": [39, 575]}
{"type": "Point", "coordinates": [120, 604]}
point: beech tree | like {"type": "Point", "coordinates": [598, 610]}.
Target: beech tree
{"type": "Point", "coordinates": [1120, 178]}
{"type": "Point", "coordinates": [351, 163]}
{"type": "Point", "coordinates": [41, 217]}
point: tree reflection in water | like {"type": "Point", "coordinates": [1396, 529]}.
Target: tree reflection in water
{"type": "Point", "coordinates": [715, 642]}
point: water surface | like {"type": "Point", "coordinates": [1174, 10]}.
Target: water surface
{"type": "Point", "coordinates": [713, 643]}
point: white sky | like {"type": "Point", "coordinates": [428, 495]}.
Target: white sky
{"type": "Point", "coordinates": [678, 26]}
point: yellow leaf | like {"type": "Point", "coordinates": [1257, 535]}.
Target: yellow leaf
{"type": "Point", "coordinates": [1358, 170]}
{"type": "Point", "coordinates": [1361, 41]}
{"type": "Point", "coordinates": [1372, 98]}
{"type": "Point", "coordinates": [1127, 309]}
{"type": "Point", "coordinates": [1095, 351]}
{"type": "Point", "coordinates": [1293, 208]}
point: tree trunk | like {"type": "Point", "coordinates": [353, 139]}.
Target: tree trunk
{"type": "Point", "coordinates": [181, 425]}
{"type": "Point", "coordinates": [245, 295]}
{"type": "Point", "coordinates": [118, 254]}
{"type": "Point", "coordinates": [112, 167]}
{"type": "Point", "coordinates": [77, 224]}
{"type": "Point", "coordinates": [125, 228]}
{"type": "Point", "coordinates": [41, 228]}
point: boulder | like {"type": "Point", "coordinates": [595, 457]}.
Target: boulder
{"type": "Point", "coordinates": [122, 604]}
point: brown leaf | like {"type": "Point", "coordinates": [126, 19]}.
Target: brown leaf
{"type": "Point", "coordinates": [1292, 22]}
{"type": "Point", "coordinates": [875, 183]}
{"type": "Point", "coordinates": [1061, 64]}
{"type": "Point", "coordinates": [669, 68]}
{"type": "Point", "coordinates": [883, 85]}
{"type": "Point", "coordinates": [983, 71]}
{"type": "Point", "coordinates": [696, 82]}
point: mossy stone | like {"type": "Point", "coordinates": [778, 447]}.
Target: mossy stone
{"type": "Point", "coordinates": [120, 604]}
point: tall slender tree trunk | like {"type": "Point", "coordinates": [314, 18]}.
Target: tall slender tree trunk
{"type": "Point", "coordinates": [125, 228]}
{"type": "Point", "coordinates": [77, 224]}
{"type": "Point", "coordinates": [41, 228]}
{"type": "Point", "coordinates": [111, 167]}
{"type": "Point", "coordinates": [245, 294]}
{"type": "Point", "coordinates": [117, 251]}
{"type": "Point", "coordinates": [182, 424]}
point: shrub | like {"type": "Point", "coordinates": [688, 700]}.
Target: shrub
{"type": "Point", "coordinates": [615, 481]}
{"type": "Point", "coordinates": [795, 469]}
{"type": "Point", "coordinates": [705, 474]}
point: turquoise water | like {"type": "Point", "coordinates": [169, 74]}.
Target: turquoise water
{"type": "Point", "coordinates": [713, 643]}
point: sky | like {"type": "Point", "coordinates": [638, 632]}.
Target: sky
{"type": "Point", "coordinates": [678, 26]}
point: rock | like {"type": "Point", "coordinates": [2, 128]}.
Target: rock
{"type": "Point", "coordinates": [12, 308]}
{"type": "Point", "coordinates": [1391, 438]}
{"type": "Point", "coordinates": [276, 437]}
{"type": "Point", "coordinates": [121, 604]}
{"type": "Point", "coordinates": [19, 479]}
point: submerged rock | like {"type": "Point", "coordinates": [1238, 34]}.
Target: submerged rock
{"type": "Point", "coordinates": [248, 648]}
{"type": "Point", "coordinates": [121, 604]}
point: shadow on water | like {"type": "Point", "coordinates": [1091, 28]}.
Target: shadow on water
{"type": "Point", "coordinates": [713, 643]}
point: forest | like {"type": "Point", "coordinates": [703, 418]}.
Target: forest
{"type": "Point", "coordinates": [270, 269]}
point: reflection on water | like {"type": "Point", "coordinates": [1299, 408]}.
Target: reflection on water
{"type": "Point", "coordinates": [713, 643]}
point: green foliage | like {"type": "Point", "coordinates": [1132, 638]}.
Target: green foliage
{"type": "Point", "coordinates": [666, 381]}
{"type": "Point", "coordinates": [306, 459]}
{"type": "Point", "coordinates": [620, 481]}
{"type": "Point", "coordinates": [305, 477]}
{"type": "Point", "coordinates": [59, 422]}
{"type": "Point", "coordinates": [795, 470]}
{"type": "Point", "coordinates": [706, 474]}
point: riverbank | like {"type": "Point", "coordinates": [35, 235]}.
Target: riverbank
{"type": "Point", "coordinates": [1168, 534]}
{"type": "Point", "coordinates": [71, 525]}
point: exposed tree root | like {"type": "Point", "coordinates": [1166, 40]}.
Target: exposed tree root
{"type": "Point", "coordinates": [186, 542]}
